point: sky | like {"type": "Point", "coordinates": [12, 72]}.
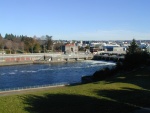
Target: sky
{"type": "Point", "coordinates": [77, 19]}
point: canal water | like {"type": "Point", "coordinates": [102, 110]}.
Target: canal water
{"type": "Point", "coordinates": [42, 74]}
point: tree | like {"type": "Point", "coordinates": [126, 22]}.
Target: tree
{"type": "Point", "coordinates": [9, 45]}
{"type": "Point", "coordinates": [49, 42]}
{"type": "Point", "coordinates": [28, 43]}
{"type": "Point", "coordinates": [37, 48]}
{"type": "Point", "coordinates": [133, 48]}
{"type": "Point", "coordinates": [58, 47]}
{"type": "Point", "coordinates": [15, 41]}
{"type": "Point", "coordinates": [9, 36]}
{"type": "Point", "coordinates": [21, 46]}
{"type": "Point", "coordinates": [1, 42]}
{"type": "Point", "coordinates": [15, 46]}
{"type": "Point", "coordinates": [135, 57]}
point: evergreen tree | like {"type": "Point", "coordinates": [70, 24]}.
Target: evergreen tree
{"type": "Point", "coordinates": [9, 36]}
{"type": "Point", "coordinates": [37, 48]}
{"type": "Point", "coordinates": [135, 57]}
{"type": "Point", "coordinates": [133, 48]}
{"type": "Point", "coordinates": [49, 42]}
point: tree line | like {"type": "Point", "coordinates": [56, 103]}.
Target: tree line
{"type": "Point", "coordinates": [24, 44]}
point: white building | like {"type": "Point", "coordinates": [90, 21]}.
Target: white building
{"type": "Point", "coordinates": [118, 49]}
{"type": "Point", "coordinates": [143, 45]}
{"type": "Point", "coordinates": [109, 47]}
{"type": "Point", "coordinates": [148, 48]}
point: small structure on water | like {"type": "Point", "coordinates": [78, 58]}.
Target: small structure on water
{"type": "Point", "coordinates": [70, 48]}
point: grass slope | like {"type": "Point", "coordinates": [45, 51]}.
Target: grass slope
{"type": "Point", "coordinates": [121, 94]}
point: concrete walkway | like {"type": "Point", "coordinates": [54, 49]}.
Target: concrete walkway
{"type": "Point", "coordinates": [28, 90]}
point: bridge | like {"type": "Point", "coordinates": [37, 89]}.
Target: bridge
{"type": "Point", "coordinates": [112, 52]}
{"type": "Point", "coordinates": [6, 59]}
{"type": "Point", "coordinates": [14, 59]}
{"type": "Point", "coordinates": [63, 58]}
{"type": "Point", "coordinates": [108, 57]}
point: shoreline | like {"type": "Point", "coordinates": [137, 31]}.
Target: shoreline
{"type": "Point", "coordinates": [22, 91]}
{"type": "Point", "coordinates": [14, 63]}
{"type": "Point", "coordinates": [33, 89]}
{"type": "Point", "coordinates": [34, 62]}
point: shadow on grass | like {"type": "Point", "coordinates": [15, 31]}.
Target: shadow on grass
{"type": "Point", "coordinates": [140, 77]}
{"type": "Point", "coordinates": [63, 103]}
{"type": "Point", "coordinates": [128, 96]}
{"type": "Point", "coordinates": [123, 100]}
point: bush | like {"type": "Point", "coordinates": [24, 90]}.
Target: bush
{"type": "Point", "coordinates": [119, 66]}
{"type": "Point", "coordinates": [103, 74]}
{"type": "Point", "coordinates": [135, 60]}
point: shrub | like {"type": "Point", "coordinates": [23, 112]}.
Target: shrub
{"type": "Point", "coordinates": [103, 74]}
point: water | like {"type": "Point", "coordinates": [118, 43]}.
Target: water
{"type": "Point", "coordinates": [42, 74]}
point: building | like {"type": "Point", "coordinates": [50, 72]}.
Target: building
{"type": "Point", "coordinates": [148, 48]}
{"type": "Point", "coordinates": [95, 47]}
{"type": "Point", "coordinates": [70, 48]}
{"type": "Point", "coordinates": [94, 50]}
{"type": "Point", "coordinates": [109, 47]}
{"type": "Point", "coordinates": [119, 49]}
{"type": "Point", "coordinates": [143, 45]}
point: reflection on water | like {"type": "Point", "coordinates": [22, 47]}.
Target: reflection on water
{"type": "Point", "coordinates": [31, 75]}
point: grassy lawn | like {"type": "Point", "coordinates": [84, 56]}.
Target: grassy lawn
{"type": "Point", "coordinates": [121, 94]}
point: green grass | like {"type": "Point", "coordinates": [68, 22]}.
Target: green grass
{"type": "Point", "coordinates": [120, 94]}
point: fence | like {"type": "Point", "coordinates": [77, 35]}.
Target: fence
{"type": "Point", "coordinates": [34, 87]}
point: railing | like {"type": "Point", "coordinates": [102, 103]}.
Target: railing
{"type": "Point", "coordinates": [34, 87]}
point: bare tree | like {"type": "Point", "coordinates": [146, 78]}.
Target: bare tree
{"type": "Point", "coordinates": [1, 41]}
{"type": "Point", "coordinates": [49, 42]}
{"type": "Point", "coordinates": [15, 46]}
{"type": "Point", "coordinates": [8, 45]}
{"type": "Point", "coordinates": [21, 46]}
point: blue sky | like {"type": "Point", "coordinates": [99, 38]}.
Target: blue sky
{"type": "Point", "coordinates": [77, 19]}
